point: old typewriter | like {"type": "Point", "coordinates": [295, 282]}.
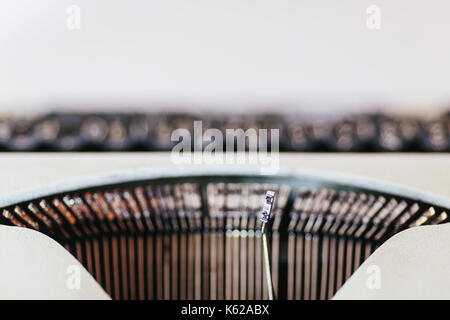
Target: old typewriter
{"type": "Point", "coordinates": [349, 102]}
{"type": "Point", "coordinates": [198, 236]}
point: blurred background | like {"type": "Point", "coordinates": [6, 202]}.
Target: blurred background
{"type": "Point", "coordinates": [386, 61]}
{"type": "Point", "coordinates": [283, 55]}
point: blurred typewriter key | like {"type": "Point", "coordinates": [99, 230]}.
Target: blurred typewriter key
{"type": "Point", "coordinates": [234, 122]}
{"type": "Point", "coordinates": [435, 135]}
{"type": "Point", "coordinates": [365, 130]}
{"type": "Point", "coordinates": [389, 137]}
{"type": "Point", "coordinates": [47, 130]}
{"type": "Point", "coordinates": [321, 131]}
{"type": "Point", "coordinates": [273, 121]}
{"type": "Point", "coordinates": [139, 130]}
{"type": "Point", "coordinates": [161, 133]}
{"type": "Point", "coordinates": [23, 137]}
{"type": "Point", "coordinates": [298, 136]}
{"type": "Point", "coordinates": [253, 124]}
{"type": "Point", "coordinates": [94, 129]}
{"type": "Point", "coordinates": [5, 132]}
{"type": "Point", "coordinates": [118, 137]}
{"type": "Point", "coordinates": [410, 131]}
{"type": "Point", "coordinates": [69, 137]}
{"type": "Point", "coordinates": [343, 137]}
{"type": "Point", "coordinates": [208, 122]}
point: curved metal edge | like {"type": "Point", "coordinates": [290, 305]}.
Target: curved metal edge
{"type": "Point", "coordinates": [129, 175]}
{"type": "Point", "coordinates": [377, 185]}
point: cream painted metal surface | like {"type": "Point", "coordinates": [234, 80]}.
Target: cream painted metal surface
{"type": "Point", "coordinates": [25, 171]}
{"type": "Point", "coordinates": [413, 264]}
{"type": "Point", "coordinates": [34, 266]}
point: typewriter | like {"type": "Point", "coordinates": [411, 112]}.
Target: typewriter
{"type": "Point", "coordinates": [223, 152]}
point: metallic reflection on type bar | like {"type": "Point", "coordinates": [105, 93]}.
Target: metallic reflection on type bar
{"type": "Point", "coordinates": [265, 216]}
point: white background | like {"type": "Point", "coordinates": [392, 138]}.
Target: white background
{"type": "Point", "coordinates": [235, 53]}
